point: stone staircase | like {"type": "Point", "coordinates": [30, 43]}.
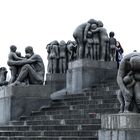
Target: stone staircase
{"type": "Point", "coordinates": [75, 117]}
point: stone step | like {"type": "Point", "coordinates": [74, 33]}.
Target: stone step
{"type": "Point", "coordinates": [101, 89]}
{"type": "Point", "coordinates": [72, 116]}
{"type": "Point", "coordinates": [85, 95]}
{"type": "Point", "coordinates": [101, 93]}
{"type": "Point", "coordinates": [70, 109]}
{"type": "Point", "coordinates": [85, 98]}
{"type": "Point", "coordinates": [50, 127]}
{"type": "Point", "coordinates": [90, 97]}
{"type": "Point", "coordinates": [63, 112]}
{"type": "Point", "coordinates": [87, 104]}
{"type": "Point", "coordinates": [50, 138]}
{"type": "Point", "coordinates": [53, 117]}
{"type": "Point", "coordinates": [50, 133]}
{"type": "Point", "coordinates": [95, 101]}
{"type": "Point", "coordinates": [20, 133]}
{"type": "Point", "coordinates": [98, 106]}
{"type": "Point", "coordinates": [57, 122]}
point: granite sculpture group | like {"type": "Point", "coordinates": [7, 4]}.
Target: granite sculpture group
{"type": "Point", "coordinates": [91, 42]}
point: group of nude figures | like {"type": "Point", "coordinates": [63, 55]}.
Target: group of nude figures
{"type": "Point", "coordinates": [59, 54]}
{"type": "Point", "coordinates": [91, 41]}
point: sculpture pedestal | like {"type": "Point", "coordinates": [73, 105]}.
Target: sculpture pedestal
{"type": "Point", "coordinates": [16, 101]}
{"type": "Point", "coordinates": [84, 73]}
{"type": "Point", "coordinates": [56, 81]}
{"type": "Point", "coordinates": [124, 126]}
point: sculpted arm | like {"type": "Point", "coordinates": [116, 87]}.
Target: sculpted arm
{"type": "Point", "coordinates": [20, 62]}
{"type": "Point", "coordinates": [86, 30]}
{"type": "Point", "coordinates": [120, 75]}
{"type": "Point", "coordinates": [96, 30]}
{"type": "Point", "coordinates": [16, 57]}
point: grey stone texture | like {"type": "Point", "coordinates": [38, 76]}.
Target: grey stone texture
{"type": "Point", "coordinates": [16, 101]}
{"type": "Point", "coordinates": [75, 117]}
{"type": "Point", "coordinates": [123, 126]}
{"type": "Point", "coordinates": [85, 73]}
{"type": "Point", "coordinates": [56, 81]}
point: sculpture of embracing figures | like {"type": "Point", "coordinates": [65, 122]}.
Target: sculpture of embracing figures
{"type": "Point", "coordinates": [92, 40]}
{"type": "Point", "coordinates": [26, 70]}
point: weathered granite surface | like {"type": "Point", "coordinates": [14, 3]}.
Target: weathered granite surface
{"type": "Point", "coordinates": [56, 81]}
{"type": "Point", "coordinates": [123, 126]}
{"type": "Point", "coordinates": [16, 101]}
{"type": "Point", "coordinates": [85, 73]}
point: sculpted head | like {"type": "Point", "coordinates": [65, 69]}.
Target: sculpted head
{"type": "Point", "coordinates": [111, 34]}
{"type": "Point", "coordinates": [100, 23]}
{"type": "Point", "coordinates": [62, 43]}
{"type": "Point", "coordinates": [29, 50]}
{"type": "Point", "coordinates": [13, 48]}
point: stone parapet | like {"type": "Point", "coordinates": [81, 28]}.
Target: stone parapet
{"type": "Point", "coordinates": [56, 81]}
{"type": "Point", "coordinates": [16, 101]}
{"type": "Point", "coordinates": [123, 126]}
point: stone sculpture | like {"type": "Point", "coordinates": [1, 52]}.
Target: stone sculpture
{"type": "Point", "coordinates": [80, 34]}
{"type": "Point", "coordinates": [13, 56]}
{"type": "Point", "coordinates": [92, 41]}
{"type": "Point", "coordinates": [112, 45]}
{"type": "Point", "coordinates": [53, 56]}
{"type": "Point", "coordinates": [3, 75]}
{"type": "Point", "coordinates": [89, 46]}
{"type": "Point", "coordinates": [128, 79]}
{"type": "Point", "coordinates": [103, 37]}
{"type": "Point", "coordinates": [32, 68]}
{"type": "Point", "coordinates": [71, 50]}
{"type": "Point", "coordinates": [62, 57]}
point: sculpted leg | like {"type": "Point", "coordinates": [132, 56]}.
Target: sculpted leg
{"type": "Point", "coordinates": [128, 100]}
{"type": "Point", "coordinates": [14, 72]}
{"type": "Point", "coordinates": [121, 100]}
{"type": "Point", "coordinates": [103, 51]}
{"type": "Point", "coordinates": [23, 74]}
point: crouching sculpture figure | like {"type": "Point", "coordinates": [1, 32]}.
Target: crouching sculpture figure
{"type": "Point", "coordinates": [128, 79]}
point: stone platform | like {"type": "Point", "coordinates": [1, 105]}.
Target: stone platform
{"type": "Point", "coordinates": [123, 126]}
{"type": "Point", "coordinates": [56, 81]}
{"type": "Point", "coordinates": [16, 101]}
{"type": "Point", "coordinates": [84, 73]}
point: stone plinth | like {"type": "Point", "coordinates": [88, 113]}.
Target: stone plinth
{"type": "Point", "coordinates": [56, 81]}
{"type": "Point", "coordinates": [84, 73]}
{"type": "Point", "coordinates": [16, 101]}
{"type": "Point", "coordinates": [120, 127]}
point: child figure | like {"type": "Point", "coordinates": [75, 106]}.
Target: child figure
{"type": "Point", "coordinates": [112, 44]}
{"type": "Point", "coordinates": [13, 56]}
{"type": "Point", "coordinates": [89, 46]}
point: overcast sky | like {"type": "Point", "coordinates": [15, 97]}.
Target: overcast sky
{"type": "Point", "coordinates": [38, 22]}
